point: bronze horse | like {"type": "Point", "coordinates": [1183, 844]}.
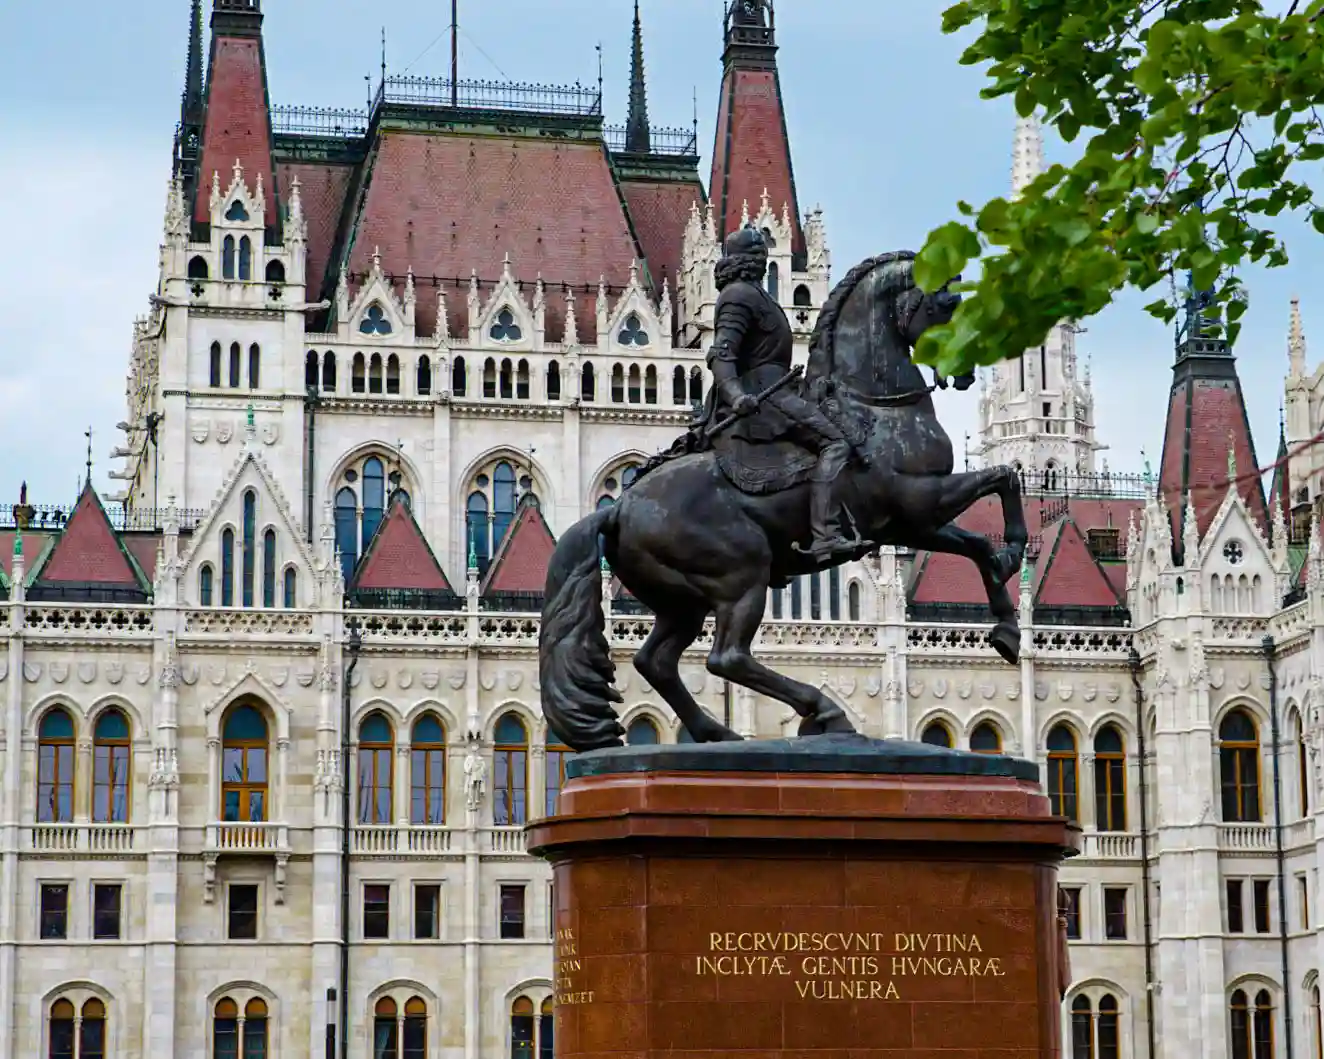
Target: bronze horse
{"type": "Point", "coordinates": [687, 543]}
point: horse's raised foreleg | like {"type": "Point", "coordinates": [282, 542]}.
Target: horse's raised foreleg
{"type": "Point", "coordinates": [732, 659]}
{"type": "Point", "coordinates": [931, 501]}
{"type": "Point", "coordinates": [658, 661]}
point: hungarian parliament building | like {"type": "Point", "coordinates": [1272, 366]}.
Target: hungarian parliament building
{"type": "Point", "coordinates": [272, 732]}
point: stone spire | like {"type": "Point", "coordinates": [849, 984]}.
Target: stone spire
{"type": "Point", "coordinates": [188, 137]}
{"type": "Point", "coordinates": [637, 139]}
{"type": "Point", "coordinates": [1296, 343]}
{"type": "Point", "coordinates": [1027, 153]}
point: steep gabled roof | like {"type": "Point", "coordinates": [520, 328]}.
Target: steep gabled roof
{"type": "Point", "coordinates": [323, 188]}
{"type": "Point", "coordinates": [660, 210]}
{"type": "Point", "coordinates": [88, 556]}
{"type": "Point", "coordinates": [449, 205]}
{"type": "Point", "coordinates": [520, 565]}
{"type": "Point", "coordinates": [1071, 576]}
{"type": "Point", "coordinates": [398, 557]}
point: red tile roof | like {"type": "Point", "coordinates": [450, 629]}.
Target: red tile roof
{"type": "Point", "coordinates": [33, 543]}
{"type": "Point", "coordinates": [660, 211]}
{"type": "Point", "coordinates": [447, 205]}
{"type": "Point", "coordinates": [238, 124]}
{"type": "Point", "coordinates": [1071, 576]}
{"type": "Point", "coordinates": [752, 152]}
{"type": "Point", "coordinates": [1206, 417]}
{"type": "Point", "coordinates": [88, 550]}
{"type": "Point", "coordinates": [398, 556]}
{"type": "Point", "coordinates": [521, 561]}
{"type": "Point", "coordinates": [143, 547]}
{"type": "Point", "coordinates": [323, 189]}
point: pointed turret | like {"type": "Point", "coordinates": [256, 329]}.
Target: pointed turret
{"type": "Point", "coordinates": [188, 137]}
{"type": "Point", "coordinates": [1027, 153]}
{"type": "Point", "coordinates": [637, 139]}
{"type": "Point", "coordinates": [1280, 491]}
{"type": "Point", "coordinates": [1207, 426]}
{"type": "Point", "coordinates": [1296, 343]}
{"type": "Point", "coordinates": [752, 152]}
{"type": "Point", "coordinates": [237, 125]}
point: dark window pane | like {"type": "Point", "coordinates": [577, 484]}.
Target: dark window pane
{"type": "Point", "coordinates": [1236, 914]}
{"type": "Point", "coordinates": [1072, 912]}
{"type": "Point", "coordinates": [1114, 914]}
{"type": "Point", "coordinates": [1261, 906]}
{"type": "Point", "coordinates": [512, 911]}
{"type": "Point", "coordinates": [377, 911]}
{"type": "Point", "coordinates": [243, 912]}
{"type": "Point", "coordinates": [54, 911]}
{"type": "Point", "coordinates": [92, 1039]}
{"type": "Point", "coordinates": [427, 911]}
{"type": "Point", "coordinates": [62, 1039]}
{"type": "Point", "coordinates": [521, 1037]}
{"type": "Point", "coordinates": [106, 903]}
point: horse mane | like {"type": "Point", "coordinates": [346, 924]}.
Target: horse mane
{"type": "Point", "coordinates": [823, 338]}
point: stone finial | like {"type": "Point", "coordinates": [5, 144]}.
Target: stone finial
{"type": "Point", "coordinates": [664, 304]}
{"type": "Point", "coordinates": [709, 221]}
{"type": "Point", "coordinates": [1190, 532]}
{"type": "Point", "coordinates": [1296, 342]}
{"type": "Point", "coordinates": [571, 336]}
{"type": "Point", "coordinates": [1027, 153]}
{"type": "Point", "coordinates": [744, 213]}
{"type": "Point", "coordinates": [506, 273]}
{"type": "Point", "coordinates": [296, 199]}
{"type": "Point", "coordinates": [410, 296]}
{"type": "Point", "coordinates": [1231, 459]}
{"type": "Point", "coordinates": [765, 203]}
{"type": "Point", "coordinates": [443, 316]}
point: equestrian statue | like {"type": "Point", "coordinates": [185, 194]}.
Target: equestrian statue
{"type": "Point", "coordinates": [779, 476]}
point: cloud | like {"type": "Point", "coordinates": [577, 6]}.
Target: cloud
{"type": "Point", "coordinates": [81, 218]}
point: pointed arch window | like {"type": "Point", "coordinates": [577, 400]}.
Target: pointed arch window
{"type": "Point", "coordinates": [310, 365]}
{"type": "Point", "coordinates": [853, 601]}
{"type": "Point", "coordinates": [110, 768]}
{"type": "Point", "coordinates": [635, 389]}
{"type": "Point", "coordinates": [617, 481]}
{"type": "Point", "coordinates": [250, 546]}
{"type": "Point", "coordinates": [521, 1028]}
{"type": "Point", "coordinates": [1082, 1028]}
{"type": "Point", "coordinates": [254, 366]}
{"type": "Point", "coordinates": [197, 268]}
{"type": "Point", "coordinates": [1109, 779]}
{"type": "Point", "coordinates": [498, 491]}
{"type": "Point", "coordinates": [459, 378]}
{"type": "Point", "coordinates": [214, 367]}
{"type": "Point", "coordinates": [834, 594]}
{"type": "Point", "coordinates": [374, 498]}
{"type": "Point", "coordinates": [986, 739]}
{"type": "Point", "coordinates": [642, 732]}
{"type": "Point", "coordinates": [423, 381]}
{"type": "Point", "coordinates": [62, 1033]}
{"type": "Point", "coordinates": [511, 769]}
{"type": "Point", "coordinates": [269, 568]}
{"type": "Point", "coordinates": [235, 356]}
{"type": "Point", "coordinates": [802, 298]}
{"type": "Point", "coordinates": [205, 585]}
{"type": "Point", "coordinates": [1302, 767]}
{"type": "Point", "coordinates": [489, 378]}
{"type": "Point", "coordinates": [546, 1029]}
{"type": "Point", "coordinates": [477, 530]}
{"type": "Point", "coordinates": [427, 771]}
{"type": "Point", "coordinates": [347, 538]}
{"type": "Point", "coordinates": [375, 373]}
{"type": "Point", "coordinates": [358, 374]}
{"type": "Point", "coordinates": [797, 598]}
{"type": "Point", "coordinates": [393, 374]}
{"type": "Point", "coordinates": [291, 594]}
{"type": "Point", "coordinates": [617, 384]}
{"type": "Point", "coordinates": [1239, 767]}
{"type": "Point", "coordinates": [678, 386]}
{"type": "Point", "coordinates": [55, 768]}
{"type": "Point", "coordinates": [1110, 1030]}
{"type": "Point", "coordinates": [227, 568]}
{"type": "Point", "coordinates": [1316, 1023]}
{"type": "Point", "coordinates": [244, 757]}
{"type": "Point", "coordinates": [507, 380]}
{"type": "Point", "coordinates": [1252, 1025]}
{"type": "Point", "coordinates": [937, 734]}
{"type": "Point", "coordinates": [235, 1037]}
{"type": "Point", "coordinates": [554, 774]}
{"type": "Point", "coordinates": [245, 258]}
{"type": "Point", "coordinates": [588, 384]}
{"type": "Point", "coordinates": [553, 381]}
{"type": "Point", "coordinates": [815, 597]}
{"type": "Point", "coordinates": [696, 386]}
{"type": "Point", "coordinates": [376, 750]}
{"type": "Point", "coordinates": [227, 257]}
{"type": "Point", "coordinates": [1063, 772]}
{"type": "Point", "coordinates": [275, 272]}
{"type": "Point", "coordinates": [774, 280]}
{"type": "Point", "coordinates": [328, 372]}
{"type": "Point", "coordinates": [522, 380]}
{"type": "Point", "coordinates": [385, 1043]}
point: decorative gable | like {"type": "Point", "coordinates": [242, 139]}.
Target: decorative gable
{"type": "Point", "coordinates": [88, 561]}
{"type": "Point", "coordinates": [237, 209]}
{"type": "Point", "coordinates": [375, 314]}
{"type": "Point", "coordinates": [520, 565]}
{"type": "Point", "coordinates": [229, 513]}
{"type": "Point", "coordinates": [398, 567]}
{"type": "Point", "coordinates": [1236, 565]}
{"type": "Point", "coordinates": [635, 324]}
{"type": "Point", "coordinates": [507, 321]}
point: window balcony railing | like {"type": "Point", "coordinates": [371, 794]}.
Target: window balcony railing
{"type": "Point", "coordinates": [82, 838]}
{"type": "Point", "coordinates": [505, 840]}
{"type": "Point", "coordinates": [1245, 838]}
{"type": "Point", "coordinates": [1111, 845]}
{"type": "Point", "coordinates": [415, 839]}
{"type": "Point", "coordinates": [224, 836]}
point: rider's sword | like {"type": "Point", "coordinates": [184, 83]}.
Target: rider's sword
{"type": "Point", "coordinates": [722, 424]}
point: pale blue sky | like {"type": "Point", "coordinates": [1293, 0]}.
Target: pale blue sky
{"type": "Point", "coordinates": [888, 132]}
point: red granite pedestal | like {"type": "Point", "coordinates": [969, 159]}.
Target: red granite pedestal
{"type": "Point", "coordinates": [823, 915]}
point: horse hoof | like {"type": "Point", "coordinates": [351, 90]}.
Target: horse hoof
{"type": "Point", "coordinates": [825, 721]}
{"type": "Point", "coordinates": [1006, 640]}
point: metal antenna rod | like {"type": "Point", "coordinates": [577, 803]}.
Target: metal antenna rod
{"type": "Point", "coordinates": [455, 53]}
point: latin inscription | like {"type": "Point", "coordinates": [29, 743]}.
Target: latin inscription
{"type": "Point", "coordinates": [569, 987]}
{"type": "Point", "coordinates": [846, 966]}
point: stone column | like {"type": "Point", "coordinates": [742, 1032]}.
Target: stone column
{"type": "Point", "coordinates": [400, 784]}
{"type": "Point", "coordinates": [536, 795]}
{"type": "Point", "coordinates": [83, 781]}
{"type": "Point", "coordinates": [440, 522]}
{"type": "Point", "coordinates": [12, 802]}
{"type": "Point", "coordinates": [472, 931]}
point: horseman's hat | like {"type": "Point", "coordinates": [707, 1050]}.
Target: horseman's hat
{"type": "Point", "coordinates": [747, 240]}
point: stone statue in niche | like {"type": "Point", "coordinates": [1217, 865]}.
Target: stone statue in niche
{"type": "Point", "coordinates": [781, 476]}
{"type": "Point", "coordinates": [475, 778]}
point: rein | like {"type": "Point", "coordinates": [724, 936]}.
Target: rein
{"type": "Point", "coordinates": [893, 399]}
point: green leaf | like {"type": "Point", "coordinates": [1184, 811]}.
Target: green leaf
{"type": "Point", "coordinates": [1146, 223]}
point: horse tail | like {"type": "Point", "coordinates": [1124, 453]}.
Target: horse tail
{"type": "Point", "coordinates": [574, 658]}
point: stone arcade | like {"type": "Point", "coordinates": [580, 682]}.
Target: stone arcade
{"type": "Point", "coordinates": [379, 373]}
